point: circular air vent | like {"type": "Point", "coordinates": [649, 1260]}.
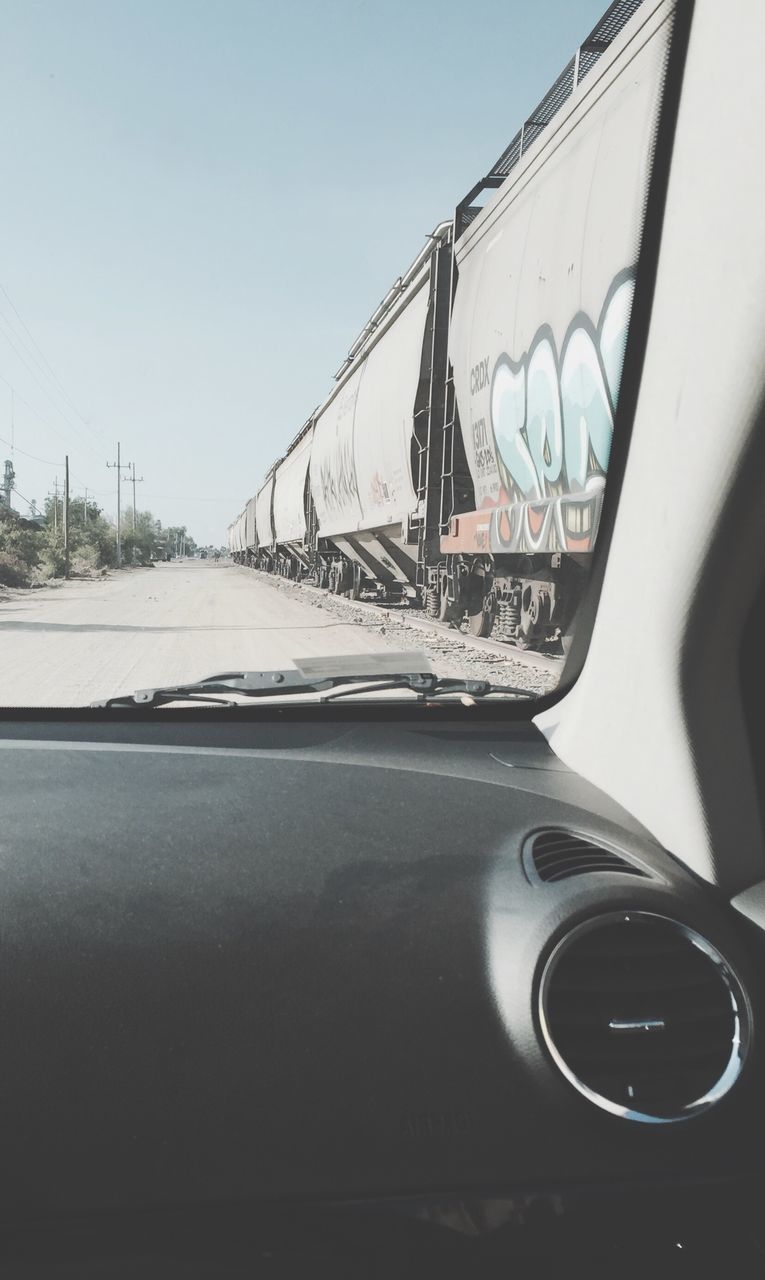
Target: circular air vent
{"type": "Point", "coordinates": [644, 1016]}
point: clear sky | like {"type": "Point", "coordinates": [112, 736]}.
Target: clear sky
{"type": "Point", "coordinates": [202, 202]}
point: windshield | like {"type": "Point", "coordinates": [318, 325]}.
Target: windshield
{"type": "Point", "coordinates": [307, 347]}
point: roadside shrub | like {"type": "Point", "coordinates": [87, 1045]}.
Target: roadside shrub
{"type": "Point", "coordinates": [85, 563]}
{"type": "Point", "coordinates": [13, 571]}
{"type": "Point", "coordinates": [51, 564]}
{"type": "Point", "coordinates": [137, 550]}
{"type": "Point", "coordinates": [102, 537]}
{"type": "Point", "coordinates": [33, 553]}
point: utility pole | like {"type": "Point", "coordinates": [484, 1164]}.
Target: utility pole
{"type": "Point", "coordinates": [135, 482]}
{"type": "Point", "coordinates": [55, 505]}
{"type": "Point", "coordinates": [118, 465]}
{"type": "Point", "coordinates": [66, 516]}
{"type": "Point", "coordinates": [85, 508]}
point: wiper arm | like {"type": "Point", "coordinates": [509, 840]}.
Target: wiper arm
{"type": "Point", "coordinates": [433, 686]}
{"type": "Point", "coordinates": [246, 684]}
{"type": "Point", "coordinates": [373, 674]}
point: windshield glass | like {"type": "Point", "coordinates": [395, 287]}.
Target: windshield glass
{"type": "Point", "coordinates": [307, 347]}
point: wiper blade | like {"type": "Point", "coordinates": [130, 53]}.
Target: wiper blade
{"type": "Point", "coordinates": [333, 678]}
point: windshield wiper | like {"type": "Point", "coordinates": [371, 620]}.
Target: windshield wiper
{"type": "Point", "coordinates": [229, 687]}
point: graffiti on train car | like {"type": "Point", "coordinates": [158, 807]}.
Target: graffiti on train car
{"type": "Point", "coordinates": [337, 476]}
{"type": "Point", "coordinates": [337, 465]}
{"type": "Point", "coordinates": [551, 418]}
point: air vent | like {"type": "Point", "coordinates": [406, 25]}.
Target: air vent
{"type": "Point", "coordinates": [558, 855]}
{"type": "Point", "coordinates": [644, 1017]}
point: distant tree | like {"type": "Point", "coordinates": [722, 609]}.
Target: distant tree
{"type": "Point", "coordinates": [139, 545]}
{"type": "Point", "coordinates": [30, 552]}
{"type": "Point", "coordinates": [21, 549]}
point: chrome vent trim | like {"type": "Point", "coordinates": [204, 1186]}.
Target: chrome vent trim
{"type": "Point", "coordinates": [650, 1023]}
{"type": "Point", "coordinates": [558, 853]}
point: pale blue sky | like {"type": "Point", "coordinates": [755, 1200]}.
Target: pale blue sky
{"type": "Point", "coordinates": [203, 200]}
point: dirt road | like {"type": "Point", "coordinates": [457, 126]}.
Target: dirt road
{"type": "Point", "coordinates": [70, 644]}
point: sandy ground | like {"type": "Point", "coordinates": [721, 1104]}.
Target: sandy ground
{"type": "Point", "coordinates": [70, 644]}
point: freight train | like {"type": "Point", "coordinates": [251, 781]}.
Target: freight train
{"type": "Point", "coordinates": [459, 461]}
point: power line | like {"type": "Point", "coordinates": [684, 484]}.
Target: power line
{"type": "Point", "coordinates": [99, 493]}
{"type": "Point", "coordinates": [43, 357]}
{"type": "Point", "coordinates": [30, 407]}
{"type": "Point", "coordinates": [46, 423]}
{"type": "Point", "coordinates": [46, 461]}
{"type": "Point", "coordinates": [27, 350]}
{"type": "Point", "coordinates": [45, 391]}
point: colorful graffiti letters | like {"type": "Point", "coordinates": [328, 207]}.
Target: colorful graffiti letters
{"type": "Point", "coordinates": [552, 422]}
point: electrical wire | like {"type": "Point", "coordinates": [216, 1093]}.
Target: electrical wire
{"type": "Point", "coordinates": [45, 461]}
{"type": "Point", "coordinates": [45, 392]}
{"type": "Point", "coordinates": [97, 493]}
{"type": "Point", "coordinates": [36, 412]}
{"type": "Point", "coordinates": [43, 357]}
{"type": "Point", "coordinates": [33, 456]}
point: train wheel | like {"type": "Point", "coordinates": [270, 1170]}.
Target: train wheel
{"type": "Point", "coordinates": [536, 609]}
{"type": "Point", "coordinates": [481, 607]}
{"type": "Point", "coordinates": [481, 622]}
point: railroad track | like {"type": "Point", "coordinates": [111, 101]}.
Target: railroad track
{"type": "Point", "coordinates": [493, 652]}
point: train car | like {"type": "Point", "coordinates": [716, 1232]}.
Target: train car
{"type": "Point", "coordinates": [459, 461]}
{"type": "Point", "coordinates": [235, 539]}
{"type": "Point", "coordinates": [366, 479]}
{"type": "Point", "coordinates": [262, 503]}
{"type": "Point", "coordinates": [241, 536]}
{"type": "Point", "coordinates": [292, 507]}
{"type": "Point", "coordinates": [544, 287]}
{"type": "Point", "coordinates": [250, 532]}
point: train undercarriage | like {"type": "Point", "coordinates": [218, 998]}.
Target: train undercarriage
{"type": "Point", "coordinates": [525, 601]}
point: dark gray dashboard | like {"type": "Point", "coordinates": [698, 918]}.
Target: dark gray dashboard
{"type": "Point", "coordinates": [245, 959]}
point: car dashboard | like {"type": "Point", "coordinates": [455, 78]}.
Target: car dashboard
{"type": "Point", "coordinates": [371, 993]}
